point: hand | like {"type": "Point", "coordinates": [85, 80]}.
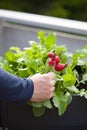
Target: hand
{"type": "Point", "coordinates": [43, 86]}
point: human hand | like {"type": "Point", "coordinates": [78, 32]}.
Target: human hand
{"type": "Point", "coordinates": [44, 86]}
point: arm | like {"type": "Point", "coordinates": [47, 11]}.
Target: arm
{"type": "Point", "coordinates": [15, 89]}
{"type": "Point", "coordinates": [37, 88]}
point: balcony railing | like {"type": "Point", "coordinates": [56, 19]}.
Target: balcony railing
{"type": "Point", "coordinates": [16, 28]}
{"type": "Point", "coordinates": [59, 24]}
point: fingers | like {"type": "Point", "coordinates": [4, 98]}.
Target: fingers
{"type": "Point", "coordinates": [51, 94]}
{"type": "Point", "coordinates": [53, 82]}
{"type": "Point", "coordinates": [50, 75]}
{"type": "Point", "coordinates": [52, 89]}
{"type": "Point", "coordinates": [50, 78]}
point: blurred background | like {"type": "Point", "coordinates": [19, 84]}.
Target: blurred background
{"type": "Point", "coordinates": [69, 9]}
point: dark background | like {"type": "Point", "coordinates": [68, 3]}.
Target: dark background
{"type": "Point", "coordinates": [70, 9]}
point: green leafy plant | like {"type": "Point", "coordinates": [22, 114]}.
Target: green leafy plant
{"type": "Point", "coordinates": [45, 56]}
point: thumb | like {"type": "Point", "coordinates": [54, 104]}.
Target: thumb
{"type": "Point", "coordinates": [51, 75]}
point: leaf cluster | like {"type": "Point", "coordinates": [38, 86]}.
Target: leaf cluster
{"type": "Point", "coordinates": [34, 59]}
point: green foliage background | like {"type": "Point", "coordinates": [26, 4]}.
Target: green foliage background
{"type": "Point", "coordinates": [71, 9]}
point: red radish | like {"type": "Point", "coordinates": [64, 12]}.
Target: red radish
{"type": "Point", "coordinates": [51, 62]}
{"type": "Point", "coordinates": [57, 59]}
{"type": "Point", "coordinates": [51, 54]}
{"type": "Point", "coordinates": [60, 67]}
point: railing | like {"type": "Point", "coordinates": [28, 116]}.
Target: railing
{"type": "Point", "coordinates": [16, 28]}
{"type": "Point", "coordinates": [70, 26]}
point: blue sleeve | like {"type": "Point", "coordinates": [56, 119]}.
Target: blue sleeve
{"type": "Point", "coordinates": [13, 88]}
